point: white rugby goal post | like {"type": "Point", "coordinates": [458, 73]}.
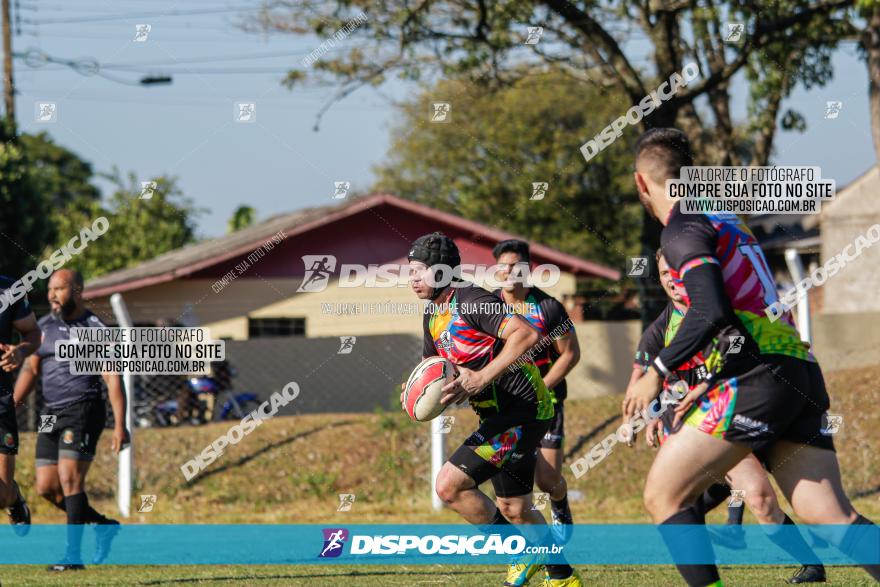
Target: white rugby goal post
{"type": "Point", "coordinates": [796, 268]}
{"type": "Point", "coordinates": [438, 457]}
{"type": "Point", "coordinates": [126, 456]}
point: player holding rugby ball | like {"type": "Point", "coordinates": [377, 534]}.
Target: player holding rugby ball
{"type": "Point", "coordinates": [468, 326]}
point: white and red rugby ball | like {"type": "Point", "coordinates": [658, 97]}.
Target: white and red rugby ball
{"type": "Point", "coordinates": [424, 388]}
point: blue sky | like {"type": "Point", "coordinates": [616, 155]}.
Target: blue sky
{"type": "Point", "coordinates": [278, 163]}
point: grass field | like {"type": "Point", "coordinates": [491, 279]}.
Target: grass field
{"type": "Point", "coordinates": [380, 576]}
{"type": "Point", "coordinates": [290, 470]}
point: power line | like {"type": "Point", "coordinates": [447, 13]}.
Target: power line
{"type": "Point", "coordinates": [157, 14]}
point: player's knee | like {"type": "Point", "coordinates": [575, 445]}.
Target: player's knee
{"type": "Point", "coordinates": [513, 509]}
{"type": "Point", "coordinates": [46, 489]}
{"type": "Point", "coordinates": [762, 504]}
{"type": "Point", "coordinates": [71, 483]}
{"type": "Point", "coordinates": [661, 503]}
{"type": "Point", "coordinates": [446, 488]}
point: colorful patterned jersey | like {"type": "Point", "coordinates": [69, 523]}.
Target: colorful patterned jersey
{"type": "Point", "coordinates": [657, 336]}
{"type": "Point", "coordinates": [466, 330]}
{"type": "Point", "coordinates": [691, 240]}
{"type": "Point", "coordinates": [549, 317]}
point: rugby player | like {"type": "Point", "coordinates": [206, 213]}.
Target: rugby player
{"type": "Point", "coordinates": [65, 453]}
{"type": "Point", "coordinates": [15, 317]}
{"type": "Point", "coordinates": [558, 353]}
{"type": "Point", "coordinates": [468, 326]}
{"type": "Point", "coordinates": [747, 476]}
{"type": "Point", "coordinates": [769, 398]}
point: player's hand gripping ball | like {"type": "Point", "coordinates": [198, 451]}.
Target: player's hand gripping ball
{"type": "Point", "coordinates": [424, 389]}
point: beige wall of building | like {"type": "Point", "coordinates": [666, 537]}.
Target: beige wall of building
{"type": "Point", "coordinates": [854, 288]}
{"type": "Point", "coordinates": [336, 311]}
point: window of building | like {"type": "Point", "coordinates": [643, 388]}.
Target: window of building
{"type": "Point", "coordinates": [268, 327]}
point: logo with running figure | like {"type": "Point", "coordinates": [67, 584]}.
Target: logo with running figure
{"type": "Point", "coordinates": [245, 112]}
{"type": "Point", "coordinates": [638, 266]}
{"type": "Point", "coordinates": [831, 424]}
{"type": "Point", "coordinates": [534, 35]}
{"type": "Point", "coordinates": [736, 344]}
{"type": "Point", "coordinates": [832, 109]}
{"type": "Point", "coordinates": [540, 501]}
{"type": "Point", "coordinates": [147, 503]}
{"type": "Point", "coordinates": [446, 423]}
{"type": "Point", "coordinates": [318, 269]}
{"type": "Point", "coordinates": [142, 32]}
{"type": "Point", "coordinates": [341, 189]}
{"type": "Point", "coordinates": [734, 32]}
{"type": "Point", "coordinates": [346, 345]}
{"type": "Point", "coordinates": [334, 541]}
{"type": "Point", "coordinates": [346, 500]}
{"type": "Point", "coordinates": [47, 423]}
{"type": "Point", "coordinates": [148, 188]}
{"type": "Point", "coordinates": [440, 112]}
{"type": "Point", "coordinates": [539, 190]}
{"type": "Point", "coordinates": [737, 496]}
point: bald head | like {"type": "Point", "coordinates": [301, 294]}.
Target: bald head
{"type": "Point", "coordinates": [661, 153]}
{"type": "Point", "coordinates": [70, 277]}
{"type": "Point", "coordinates": [65, 293]}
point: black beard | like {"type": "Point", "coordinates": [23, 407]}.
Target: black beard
{"type": "Point", "coordinates": [67, 308]}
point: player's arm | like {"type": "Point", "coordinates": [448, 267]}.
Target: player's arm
{"type": "Point", "coordinates": [27, 377]}
{"type": "Point", "coordinates": [565, 342]}
{"type": "Point", "coordinates": [517, 334]}
{"type": "Point", "coordinates": [13, 355]}
{"type": "Point", "coordinates": [690, 249]}
{"type": "Point", "coordinates": [569, 350]}
{"type": "Point", "coordinates": [117, 403]}
{"type": "Point", "coordinates": [641, 388]}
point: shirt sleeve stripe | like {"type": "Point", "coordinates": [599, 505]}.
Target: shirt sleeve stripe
{"type": "Point", "coordinates": [696, 263]}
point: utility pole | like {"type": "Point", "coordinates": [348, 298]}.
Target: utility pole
{"type": "Point", "coordinates": [8, 86]}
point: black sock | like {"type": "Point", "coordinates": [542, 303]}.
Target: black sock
{"type": "Point", "coordinates": [76, 506]}
{"type": "Point", "coordinates": [93, 517]}
{"type": "Point", "coordinates": [712, 498]}
{"type": "Point", "coordinates": [735, 514]}
{"type": "Point", "coordinates": [693, 542]}
{"type": "Point", "coordinates": [793, 543]}
{"type": "Point", "coordinates": [560, 503]}
{"type": "Point", "coordinates": [857, 543]}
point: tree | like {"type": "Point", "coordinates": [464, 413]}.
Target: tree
{"type": "Point", "coordinates": [483, 163]}
{"type": "Point", "coordinates": [484, 41]}
{"type": "Point", "coordinates": [142, 225]}
{"type": "Point", "coordinates": [241, 218]}
{"type": "Point", "coordinates": [24, 226]}
{"type": "Point", "coordinates": [869, 42]}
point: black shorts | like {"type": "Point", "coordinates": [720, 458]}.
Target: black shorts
{"type": "Point", "coordinates": [781, 399]}
{"type": "Point", "coordinates": [555, 437]}
{"type": "Point", "coordinates": [8, 427]}
{"type": "Point", "coordinates": [73, 434]}
{"type": "Point", "coordinates": [504, 449]}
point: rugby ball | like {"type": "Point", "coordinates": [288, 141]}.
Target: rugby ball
{"type": "Point", "coordinates": [424, 388]}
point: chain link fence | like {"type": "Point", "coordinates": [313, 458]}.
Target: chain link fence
{"type": "Point", "coordinates": [335, 374]}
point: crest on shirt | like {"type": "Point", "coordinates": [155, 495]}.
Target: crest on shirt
{"type": "Point", "coordinates": [445, 341]}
